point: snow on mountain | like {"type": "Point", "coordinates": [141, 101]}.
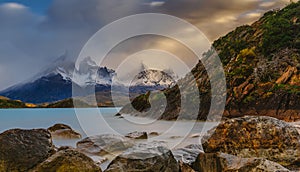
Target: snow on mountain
{"type": "Point", "coordinates": [90, 74]}
{"type": "Point", "coordinates": [55, 81]}
{"type": "Point", "coordinates": [151, 77]}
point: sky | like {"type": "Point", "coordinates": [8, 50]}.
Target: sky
{"type": "Point", "coordinates": [33, 33]}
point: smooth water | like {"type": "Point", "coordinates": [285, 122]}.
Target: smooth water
{"type": "Point", "coordinates": [175, 133]}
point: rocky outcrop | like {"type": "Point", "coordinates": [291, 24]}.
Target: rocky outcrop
{"type": "Point", "coordinates": [62, 131]}
{"type": "Point", "coordinates": [145, 158]}
{"type": "Point", "coordinates": [68, 160]}
{"type": "Point", "coordinates": [261, 68]}
{"type": "Point", "coordinates": [21, 150]}
{"type": "Point", "coordinates": [220, 162]}
{"type": "Point", "coordinates": [103, 144]}
{"type": "Point", "coordinates": [188, 154]}
{"type": "Point", "coordinates": [137, 135]}
{"type": "Point", "coordinates": [264, 137]}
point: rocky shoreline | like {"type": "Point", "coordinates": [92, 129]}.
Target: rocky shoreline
{"type": "Point", "coordinates": [241, 144]}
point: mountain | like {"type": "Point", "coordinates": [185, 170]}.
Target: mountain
{"type": "Point", "coordinates": [152, 77]}
{"type": "Point", "coordinates": [261, 63]}
{"type": "Point", "coordinates": [55, 82]}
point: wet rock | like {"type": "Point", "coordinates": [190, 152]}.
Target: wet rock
{"type": "Point", "coordinates": [150, 157]}
{"type": "Point", "coordinates": [137, 135]}
{"type": "Point", "coordinates": [297, 126]}
{"type": "Point", "coordinates": [184, 167]}
{"type": "Point", "coordinates": [196, 135]}
{"type": "Point", "coordinates": [21, 150]}
{"type": "Point", "coordinates": [221, 162]}
{"type": "Point", "coordinates": [66, 161]}
{"type": "Point", "coordinates": [153, 134]}
{"type": "Point", "coordinates": [62, 131]}
{"type": "Point", "coordinates": [175, 137]}
{"type": "Point", "coordinates": [264, 137]}
{"type": "Point", "coordinates": [103, 144]}
{"type": "Point", "coordinates": [188, 154]}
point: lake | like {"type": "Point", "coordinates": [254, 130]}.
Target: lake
{"type": "Point", "coordinates": [174, 133]}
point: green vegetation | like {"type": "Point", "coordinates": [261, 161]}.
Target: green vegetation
{"type": "Point", "coordinates": [293, 89]}
{"type": "Point", "coordinates": [281, 30]}
{"type": "Point", "coordinates": [11, 104]}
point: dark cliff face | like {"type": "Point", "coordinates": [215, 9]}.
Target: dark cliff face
{"type": "Point", "coordinates": [261, 63]}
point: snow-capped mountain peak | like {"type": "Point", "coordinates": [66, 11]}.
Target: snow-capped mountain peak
{"type": "Point", "coordinates": [152, 77]}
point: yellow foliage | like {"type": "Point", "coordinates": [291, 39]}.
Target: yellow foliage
{"type": "Point", "coordinates": [30, 105]}
{"type": "Point", "coordinates": [246, 53]}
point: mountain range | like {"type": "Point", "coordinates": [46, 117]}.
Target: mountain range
{"type": "Point", "coordinates": [55, 83]}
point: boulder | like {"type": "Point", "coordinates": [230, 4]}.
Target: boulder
{"type": "Point", "coordinates": [145, 157]}
{"type": "Point", "coordinates": [68, 160]}
{"type": "Point", "coordinates": [62, 131]}
{"type": "Point", "coordinates": [188, 154]}
{"type": "Point", "coordinates": [104, 144]}
{"type": "Point", "coordinates": [221, 162]}
{"type": "Point", "coordinates": [184, 167]}
{"type": "Point", "coordinates": [248, 136]}
{"type": "Point", "coordinates": [153, 133]}
{"type": "Point", "coordinates": [21, 150]}
{"type": "Point", "coordinates": [137, 135]}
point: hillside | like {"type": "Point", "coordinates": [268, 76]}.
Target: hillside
{"type": "Point", "coordinates": [7, 103]}
{"type": "Point", "coordinates": [261, 64]}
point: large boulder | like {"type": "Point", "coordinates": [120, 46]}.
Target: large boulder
{"type": "Point", "coordinates": [21, 150]}
{"type": "Point", "coordinates": [221, 162]}
{"type": "Point", "coordinates": [104, 144]}
{"type": "Point", "coordinates": [68, 160]}
{"type": "Point", "coordinates": [62, 131]}
{"type": "Point", "coordinates": [145, 157]}
{"type": "Point", "coordinates": [188, 154]}
{"type": "Point", "coordinates": [248, 136]}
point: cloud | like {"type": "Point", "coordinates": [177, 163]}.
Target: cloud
{"type": "Point", "coordinates": [156, 3]}
{"type": "Point", "coordinates": [30, 41]}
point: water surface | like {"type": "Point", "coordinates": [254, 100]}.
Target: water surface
{"type": "Point", "coordinates": [43, 118]}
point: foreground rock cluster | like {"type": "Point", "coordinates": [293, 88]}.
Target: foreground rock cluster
{"type": "Point", "coordinates": [32, 150]}
{"type": "Point", "coordinates": [246, 144]}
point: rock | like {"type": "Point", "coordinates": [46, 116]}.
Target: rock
{"type": "Point", "coordinates": [150, 157]}
{"type": "Point", "coordinates": [175, 137]}
{"type": "Point", "coordinates": [187, 154]}
{"type": "Point", "coordinates": [287, 75]}
{"type": "Point", "coordinates": [153, 134]}
{"type": "Point", "coordinates": [296, 125]}
{"type": "Point", "coordinates": [66, 161]}
{"type": "Point", "coordinates": [137, 135]}
{"type": "Point", "coordinates": [184, 167]}
{"type": "Point", "coordinates": [62, 131]}
{"type": "Point", "coordinates": [221, 162]}
{"type": "Point", "coordinates": [196, 135]}
{"type": "Point", "coordinates": [21, 150]}
{"type": "Point", "coordinates": [103, 144]}
{"type": "Point", "coordinates": [248, 136]}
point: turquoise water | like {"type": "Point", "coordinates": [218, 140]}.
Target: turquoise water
{"type": "Point", "coordinates": [179, 133]}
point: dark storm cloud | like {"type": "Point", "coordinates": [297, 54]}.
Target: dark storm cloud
{"type": "Point", "coordinates": [30, 41]}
